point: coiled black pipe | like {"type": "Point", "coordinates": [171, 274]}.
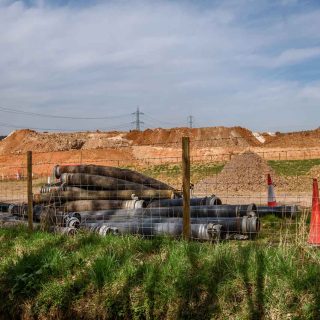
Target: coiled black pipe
{"type": "Point", "coordinates": [113, 172]}
{"type": "Point", "coordinates": [101, 228]}
{"type": "Point", "coordinates": [74, 193]}
{"type": "Point", "coordinates": [4, 207]}
{"type": "Point", "coordinates": [89, 181]}
{"type": "Point", "coordinates": [206, 201]}
{"type": "Point", "coordinates": [64, 230]}
{"type": "Point", "coordinates": [279, 211]}
{"type": "Point", "coordinates": [49, 187]}
{"type": "Point", "coordinates": [240, 225]}
{"type": "Point", "coordinates": [18, 209]}
{"type": "Point", "coordinates": [94, 205]}
{"type": "Point", "coordinates": [37, 211]}
{"type": "Point", "coordinates": [173, 212]}
{"type": "Point", "coordinates": [198, 231]}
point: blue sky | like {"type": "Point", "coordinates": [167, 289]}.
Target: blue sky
{"type": "Point", "coordinates": [240, 62]}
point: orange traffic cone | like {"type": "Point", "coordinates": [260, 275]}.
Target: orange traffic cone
{"type": "Point", "coordinates": [271, 196]}
{"type": "Point", "coordinates": [314, 234]}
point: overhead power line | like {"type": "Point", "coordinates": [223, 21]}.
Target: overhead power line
{"type": "Point", "coordinates": [157, 121]}
{"type": "Point", "coordinates": [8, 125]}
{"type": "Point", "coordinates": [190, 121]}
{"type": "Point", "coordinates": [151, 121]}
{"type": "Point", "coordinates": [138, 121]}
{"type": "Point", "coordinates": [27, 113]}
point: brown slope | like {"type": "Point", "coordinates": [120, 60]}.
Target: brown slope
{"type": "Point", "coordinates": [301, 139]}
{"type": "Point", "coordinates": [23, 140]}
{"type": "Point", "coordinates": [201, 137]}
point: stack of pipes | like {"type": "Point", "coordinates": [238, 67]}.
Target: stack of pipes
{"type": "Point", "coordinates": [113, 200]}
{"type": "Point", "coordinates": [92, 182]}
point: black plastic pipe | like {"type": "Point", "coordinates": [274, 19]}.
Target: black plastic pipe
{"type": "Point", "coordinates": [240, 225]}
{"type": "Point", "coordinates": [64, 230]}
{"type": "Point", "coordinates": [90, 181]}
{"type": "Point", "coordinates": [101, 228]}
{"type": "Point", "coordinates": [279, 211]}
{"type": "Point", "coordinates": [173, 212]}
{"type": "Point", "coordinates": [113, 172]}
{"type": "Point", "coordinates": [4, 207]}
{"type": "Point", "coordinates": [172, 226]}
{"type": "Point", "coordinates": [18, 209]}
{"type": "Point", "coordinates": [49, 187]}
{"type": "Point", "coordinates": [206, 201]}
{"type": "Point", "coordinates": [74, 193]}
{"type": "Point", "coordinates": [198, 231]}
{"type": "Point", "coordinates": [93, 205]}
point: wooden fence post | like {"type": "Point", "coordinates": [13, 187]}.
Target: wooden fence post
{"type": "Point", "coordinates": [30, 195]}
{"type": "Point", "coordinates": [186, 187]}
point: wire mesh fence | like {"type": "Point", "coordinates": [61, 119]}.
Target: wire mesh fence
{"type": "Point", "coordinates": [13, 194]}
{"type": "Point", "coordinates": [111, 193]}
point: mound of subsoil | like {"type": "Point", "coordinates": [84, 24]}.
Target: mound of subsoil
{"type": "Point", "coordinates": [20, 141]}
{"type": "Point", "coordinates": [244, 172]}
{"type": "Point", "coordinates": [200, 137]}
{"type": "Point", "coordinates": [300, 139]}
{"type": "Point", "coordinates": [314, 172]}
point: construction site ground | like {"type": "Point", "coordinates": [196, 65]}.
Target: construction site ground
{"type": "Point", "coordinates": [151, 147]}
{"type": "Point", "coordinates": [230, 162]}
{"type": "Point", "coordinates": [46, 275]}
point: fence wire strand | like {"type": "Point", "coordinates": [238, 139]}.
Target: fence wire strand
{"type": "Point", "coordinates": [228, 190]}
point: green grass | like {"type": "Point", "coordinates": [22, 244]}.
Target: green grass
{"type": "Point", "coordinates": [171, 172]}
{"type": "Point", "coordinates": [201, 170]}
{"type": "Point", "coordinates": [48, 276]}
{"type": "Point", "coordinates": [293, 167]}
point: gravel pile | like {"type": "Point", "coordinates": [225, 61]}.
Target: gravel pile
{"type": "Point", "coordinates": [314, 172]}
{"type": "Point", "coordinates": [245, 172]}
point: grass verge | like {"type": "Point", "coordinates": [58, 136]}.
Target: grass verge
{"type": "Point", "coordinates": [293, 167]}
{"type": "Point", "coordinates": [171, 173]}
{"type": "Point", "coordinates": [48, 276]}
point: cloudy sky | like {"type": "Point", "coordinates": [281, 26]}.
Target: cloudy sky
{"type": "Point", "coordinates": [239, 62]}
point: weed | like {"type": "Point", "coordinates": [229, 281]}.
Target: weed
{"type": "Point", "coordinates": [130, 277]}
{"type": "Point", "coordinates": [293, 167]}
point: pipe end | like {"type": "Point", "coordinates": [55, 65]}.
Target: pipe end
{"type": "Point", "coordinates": [56, 171]}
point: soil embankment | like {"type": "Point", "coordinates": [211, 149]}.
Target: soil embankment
{"type": "Point", "coordinates": [154, 146]}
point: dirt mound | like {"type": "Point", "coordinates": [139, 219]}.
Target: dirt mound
{"type": "Point", "coordinates": [207, 144]}
{"type": "Point", "coordinates": [245, 172]}
{"type": "Point", "coordinates": [20, 141]}
{"type": "Point", "coordinates": [314, 172]}
{"type": "Point", "coordinates": [302, 139]}
{"type": "Point", "coordinates": [200, 137]}
{"type": "Point", "coordinates": [105, 140]}
{"type": "Point", "coordinates": [23, 140]}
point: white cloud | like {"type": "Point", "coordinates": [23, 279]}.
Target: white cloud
{"type": "Point", "coordinates": [108, 58]}
{"type": "Point", "coordinates": [292, 56]}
